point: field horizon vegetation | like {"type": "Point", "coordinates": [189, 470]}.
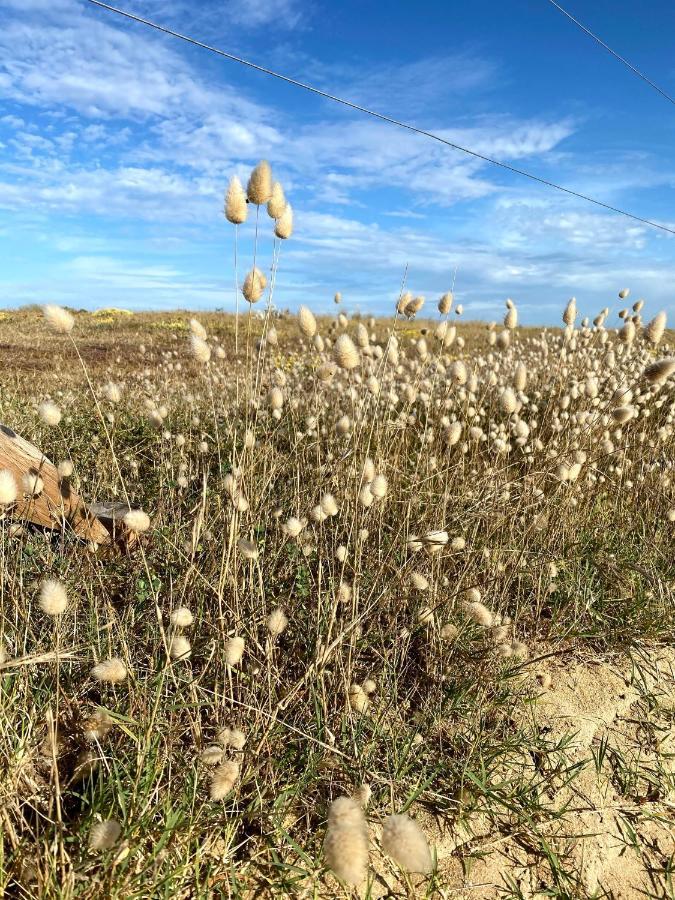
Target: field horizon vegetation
{"type": "Point", "coordinates": [392, 615]}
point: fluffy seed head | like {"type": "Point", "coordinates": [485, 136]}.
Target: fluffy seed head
{"type": "Point", "coordinates": [181, 617]}
{"type": "Point", "coordinates": [445, 303]}
{"type": "Point", "coordinates": [344, 592]}
{"type": "Point", "coordinates": [293, 526]}
{"type": "Point", "coordinates": [478, 613]}
{"type": "Point", "coordinates": [570, 313]}
{"type": "Point", "coordinates": [111, 670]}
{"type": "Point", "coordinates": [520, 377]}
{"type": "Point", "coordinates": [343, 426]}
{"type": "Point", "coordinates": [368, 473]}
{"type": "Point", "coordinates": [404, 841]}
{"type": "Point", "coordinates": [53, 597]}
{"type": "Point", "coordinates": [453, 433]}
{"type": "Point", "coordinates": [179, 647]}
{"type": "Point", "coordinates": [419, 582]}
{"type": "Point", "coordinates": [197, 328]}
{"type": "Point", "coordinates": [425, 616]}
{"type": "Point", "coordinates": [329, 505]}
{"type": "Point", "coordinates": [234, 650]}
{"type": "Point", "coordinates": [224, 779]}
{"type": "Point", "coordinates": [511, 318]}
{"type": "Point", "coordinates": [307, 322]}
{"type": "Point", "coordinates": [248, 549]}
{"type": "Point", "coordinates": [104, 835]}
{"type": "Point", "coordinates": [236, 208]}
{"type": "Point", "coordinates": [379, 487]}
{"type": "Point", "coordinates": [362, 336]}
{"type": "Point", "coordinates": [436, 538]}
{"type": "Point", "coordinates": [231, 737]}
{"type": "Point", "coordinates": [346, 844]}
{"type": "Point", "coordinates": [326, 372]}
{"type": "Point", "coordinates": [8, 488]}
{"type": "Point", "coordinates": [32, 484]}
{"type": "Point", "coordinates": [277, 622]}
{"type": "Point", "coordinates": [627, 332]}
{"type": "Point", "coordinates": [520, 650]}
{"type": "Point", "coordinates": [317, 514]}
{"type": "Point", "coordinates": [458, 372]}
{"type": "Point", "coordinates": [211, 755]}
{"type": "Point", "coordinates": [654, 331]}
{"type": "Point", "coordinates": [345, 353]}
{"type": "Point", "coordinates": [622, 414]}
{"type": "Point", "coordinates": [259, 187]}
{"type": "Point", "coordinates": [254, 285]}
{"type": "Point", "coordinates": [199, 349]}
{"type": "Point", "coordinates": [137, 520]}
{"type": "Point", "coordinates": [59, 319]}
{"type": "Point", "coordinates": [49, 413]}
{"type": "Point", "coordinates": [275, 398]}
{"type": "Point", "coordinates": [277, 202]}
{"type": "Point", "coordinates": [413, 306]}
{"type": "Point", "coordinates": [283, 227]}
{"type": "Point", "coordinates": [358, 699]}
{"type": "Point", "coordinates": [97, 726]}
{"type": "Point", "coordinates": [660, 370]}
{"type": "Point", "coordinates": [112, 392]}
{"type": "Point", "coordinates": [508, 401]}
{"type": "Point", "coordinates": [504, 339]}
{"type": "Point", "coordinates": [373, 385]}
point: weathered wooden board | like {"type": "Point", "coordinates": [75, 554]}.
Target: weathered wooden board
{"type": "Point", "coordinates": [58, 502]}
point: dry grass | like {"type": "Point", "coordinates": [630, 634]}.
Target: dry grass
{"type": "Point", "coordinates": [561, 526]}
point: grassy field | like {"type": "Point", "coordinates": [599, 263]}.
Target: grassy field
{"type": "Point", "coordinates": [450, 562]}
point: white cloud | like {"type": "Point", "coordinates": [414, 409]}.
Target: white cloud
{"type": "Point", "coordinates": [522, 221]}
{"type": "Point", "coordinates": [407, 86]}
{"type": "Point", "coordinates": [95, 281]}
{"type": "Point", "coordinates": [503, 138]}
{"type": "Point", "coordinates": [265, 13]}
{"type": "Point", "coordinates": [72, 57]}
{"type": "Point", "coordinates": [224, 18]}
{"type": "Point", "coordinates": [130, 191]}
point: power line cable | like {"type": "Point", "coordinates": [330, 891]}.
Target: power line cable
{"type": "Point", "coordinates": [383, 118]}
{"type": "Point", "coordinates": [616, 55]}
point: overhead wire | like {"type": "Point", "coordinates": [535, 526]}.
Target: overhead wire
{"type": "Point", "coordinates": [376, 115]}
{"type": "Point", "coordinates": [616, 55]}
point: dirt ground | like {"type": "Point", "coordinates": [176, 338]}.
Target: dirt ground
{"type": "Point", "coordinates": [611, 832]}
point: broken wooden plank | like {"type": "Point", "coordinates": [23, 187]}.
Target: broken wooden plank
{"type": "Point", "coordinates": [111, 513]}
{"type": "Point", "coordinates": [58, 502]}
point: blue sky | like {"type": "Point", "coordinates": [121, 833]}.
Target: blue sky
{"type": "Point", "coordinates": [116, 144]}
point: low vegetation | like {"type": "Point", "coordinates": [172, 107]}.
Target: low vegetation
{"type": "Point", "coordinates": [368, 556]}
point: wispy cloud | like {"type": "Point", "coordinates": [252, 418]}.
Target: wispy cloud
{"type": "Point", "coordinates": [417, 87]}
{"type": "Point", "coordinates": [265, 13]}
{"type": "Point", "coordinates": [132, 133]}
{"type": "Point", "coordinates": [226, 18]}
